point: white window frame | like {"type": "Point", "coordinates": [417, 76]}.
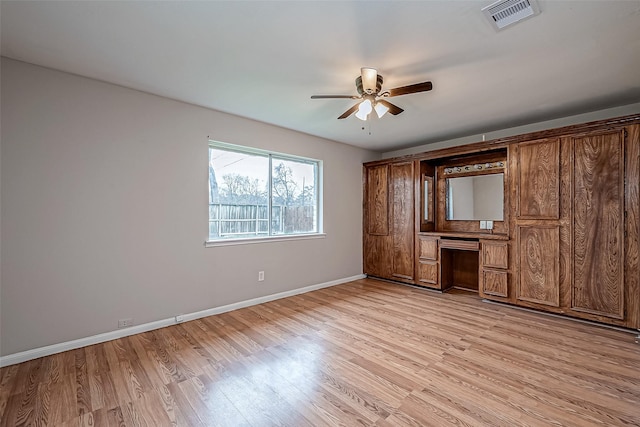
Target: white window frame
{"type": "Point", "coordinates": [318, 179]}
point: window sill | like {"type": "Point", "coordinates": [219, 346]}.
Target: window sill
{"type": "Point", "coordinates": [269, 239]}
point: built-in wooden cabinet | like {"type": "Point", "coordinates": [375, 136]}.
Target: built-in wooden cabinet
{"type": "Point", "coordinates": [598, 182]}
{"type": "Point", "coordinates": [494, 283]}
{"type": "Point", "coordinates": [389, 221]}
{"type": "Point", "coordinates": [538, 278]}
{"type": "Point", "coordinates": [538, 179]}
{"type": "Point", "coordinates": [402, 220]}
{"type": "Point", "coordinates": [569, 239]}
{"type": "Point", "coordinates": [377, 239]}
{"type": "Point", "coordinates": [537, 225]}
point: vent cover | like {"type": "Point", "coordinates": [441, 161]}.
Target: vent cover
{"type": "Point", "coordinates": [507, 12]}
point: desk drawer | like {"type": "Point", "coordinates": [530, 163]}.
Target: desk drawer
{"type": "Point", "coordinates": [464, 245]}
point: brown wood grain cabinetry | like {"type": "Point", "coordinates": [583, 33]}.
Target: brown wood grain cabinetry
{"type": "Point", "coordinates": [376, 237]}
{"type": "Point", "coordinates": [428, 248]}
{"type": "Point", "coordinates": [377, 190]}
{"type": "Point", "coordinates": [538, 179]}
{"type": "Point", "coordinates": [570, 239]}
{"type": "Point", "coordinates": [494, 264]}
{"type": "Point", "coordinates": [402, 218]}
{"type": "Point", "coordinates": [389, 221]}
{"type": "Point", "coordinates": [598, 224]}
{"type": "Point", "coordinates": [539, 280]}
{"type": "Point", "coordinates": [572, 226]}
{"type": "Point", "coordinates": [428, 273]}
{"type": "Point", "coordinates": [495, 255]}
{"type": "Point", "coordinates": [538, 221]}
{"type": "Point", "coordinates": [428, 265]}
{"type": "Point", "coordinates": [494, 283]}
{"type": "Point", "coordinates": [632, 226]}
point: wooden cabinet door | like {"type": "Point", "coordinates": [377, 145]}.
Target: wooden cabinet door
{"type": "Point", "coordinates": [539, 269]}
{"type": "Point", "coordinates": [428, 248]}
{"type": "Point", "coordinates": [495, 255]}
{"type": "Point", "coordinates": [377, 239]}
{"type": "Point", "coordinates": [598, 227]}
{"type": "Point", "coordinates": [402, 220]}
{"type": "Point", "coordinates": [538, 178]}
{"type": "Point", "coordinates": [540, 223]}
{"type": "Point", "coordinates": [428, 273]}
{"type": "Point", "coordinates": [377, 200]}
{"type": "Point", "coordinates": [494, 283]}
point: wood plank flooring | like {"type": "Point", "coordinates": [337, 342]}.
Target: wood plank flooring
{"type": "Point", "coordinates": [363, 353]}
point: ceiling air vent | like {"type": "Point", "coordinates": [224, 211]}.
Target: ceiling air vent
{"type": "Point", "coordinates": [507, 12]}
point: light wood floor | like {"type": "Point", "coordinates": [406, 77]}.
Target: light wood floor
{"type": "Point", "coordinates": [362, 353]}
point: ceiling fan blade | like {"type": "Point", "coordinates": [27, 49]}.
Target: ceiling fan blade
{"type": "Point", "coordinates": [334, 96]}
{"type": "Point", "coordinates": [405, 90]}
{"type": "Point", "coordinates": [349, 112]}
{"type": "Point", "coordinates": [393, 109]}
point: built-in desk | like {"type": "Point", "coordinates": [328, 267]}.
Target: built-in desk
{"type": "Point", "coordinates": [459, 264]}
{"type": "Point", "coordinates": [469, 262]}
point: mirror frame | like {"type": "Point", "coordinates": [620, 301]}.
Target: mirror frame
{"type": "Point", "coordinates": [456, 168]}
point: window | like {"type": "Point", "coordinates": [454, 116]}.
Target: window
{"type": "Point", "coordinates": [256, 194]}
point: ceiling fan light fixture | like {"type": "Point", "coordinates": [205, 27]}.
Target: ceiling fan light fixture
{"type": "Point", "coordinates": [361, 116]}
{"type": "Point", "coordinates": [369, 79]}
{"type": "Point", "coordinates": [381, 109]}
{"type": "Point", "coordinates": [364, 109]}
{"type": "Point", "coordinates": [370, 94]}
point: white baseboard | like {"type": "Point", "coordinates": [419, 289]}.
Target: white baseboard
{"type": "Point", "coordinates": [35, 353]}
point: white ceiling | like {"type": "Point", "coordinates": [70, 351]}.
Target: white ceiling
{"type": "Point", "coordinates": [263, 59]}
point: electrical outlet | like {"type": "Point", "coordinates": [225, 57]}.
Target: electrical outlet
{"type": "Point", "coordinates": [180, 318]}
{"type": "Point", "coordinates": [483, 225]}
{"type": "Point", "coordinates": [489, 225]}
{"type": "Point", "coordinates": [260, 276]}
{"type": "Point", "coordinates": [125, 323]}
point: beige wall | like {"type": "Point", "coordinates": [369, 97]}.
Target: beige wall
{"type": "Point", "coordinates": [104, 210]}
{"type": "Point", "coordinates": [503, 133]}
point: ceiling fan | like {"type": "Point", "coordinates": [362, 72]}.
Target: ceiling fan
{"type": "Point", "coordinates": [369, 86]}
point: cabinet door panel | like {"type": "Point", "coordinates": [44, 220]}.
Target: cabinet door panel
{"type": "Point", "coordinates": [539, 252]}
{"type": "Point", "coordinates": [428, 247]}
{"type": "Point", "coordinates": [538, 180]}
{"type": "Point", "coordinates": [494, 282]}
{"type": "Point", "coordinates": [376, 256]}
{"type": "Point", "coordinates": [495, 255]}
{"type": "Point", "coordinates": [598, 236]}
{"type": "Point", "coordinates": [402, 185]}
{"type": "Point", "coordinates": [428, 272]}
{"type": "Point", "coordinates": [377, 204]}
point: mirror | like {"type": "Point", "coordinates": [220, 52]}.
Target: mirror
{"type": "Point", "coordinates": [475, 198]}
{"type": "Point", "coordinates": [427, 197]}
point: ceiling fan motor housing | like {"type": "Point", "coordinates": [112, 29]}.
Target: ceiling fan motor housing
{"type": "Point", "coordinates": [361, 90]}
{"type": "Point", "coordinates": [370, 95]}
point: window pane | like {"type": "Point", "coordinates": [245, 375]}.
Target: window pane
{"type": "Point", "coordinates": [238, 194]}
{"type": "Point", "coordinates": [294, 198]}
{"type": "Point", "coordinates": [255, 193]}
